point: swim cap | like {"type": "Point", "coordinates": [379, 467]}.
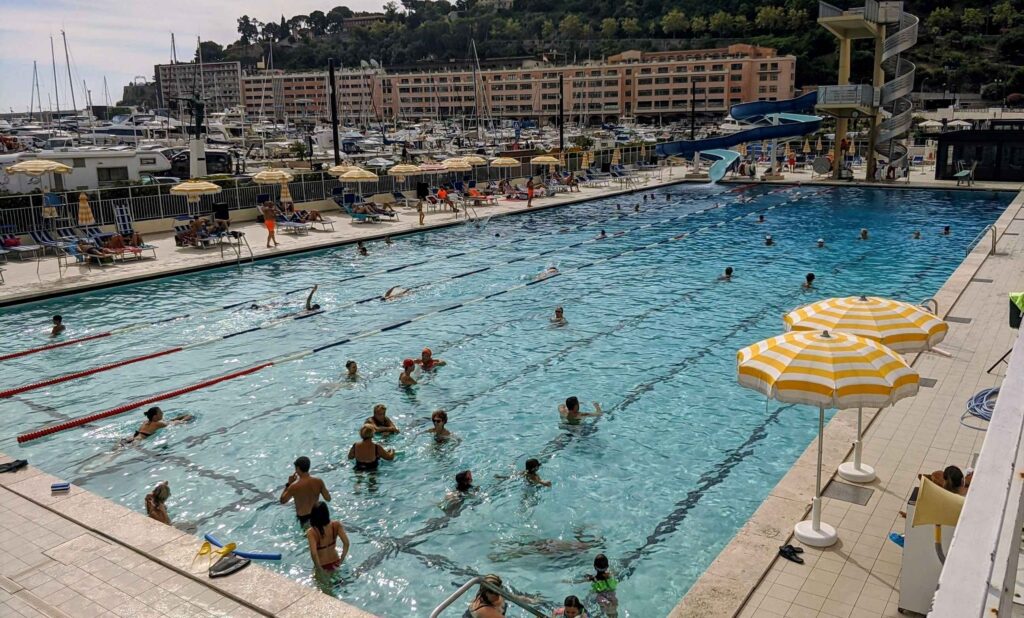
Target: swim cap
{"type": "Point", "coordinates": [408, 363]}
{"type": "Point", "coordinates": [427, 351]}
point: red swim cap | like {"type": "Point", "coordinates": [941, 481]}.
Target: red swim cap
{"type": "Point", "coordinates": [427, 351]}
{"type": "Point", "coordinates": [408, 363]}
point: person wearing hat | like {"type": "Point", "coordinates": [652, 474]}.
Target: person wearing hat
{"type": "Point", "coordinates": [427, 360]}
{"type": "Point", "coordinates": [821, 243]}
{"type": "Point", "coordinates": [156, 503]}
{"type": "Point", "coordinates": [405, 378]}
{"type": "Point", "coordinates": [768, 240]}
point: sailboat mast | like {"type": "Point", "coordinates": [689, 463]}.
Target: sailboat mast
{"type": "Point", "coordinates": [67, 60]}
{"type": "Point", "coordinates": [32, 93]}
{"type": "Point", "coordinates": [56, 95]}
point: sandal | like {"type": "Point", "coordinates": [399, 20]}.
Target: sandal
{"type": "Point", "coordinates": [789, 553]}
{"type": "Point", "coordinates": [798, 550]}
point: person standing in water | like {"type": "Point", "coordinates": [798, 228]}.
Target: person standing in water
{"type": "Point", "coordinates": [156, 503]}
{"type": "Point", "coordinates": [428, 362]}
{"type": "Point", "coordinates": [323, 535]}
{"type": "Point", "coordinates": [727, 275]}
{"type": "Point", "coordinates": [58, 326]}
{"type": "Point", "coordinates": [570, 410]}
{"type": "Point", "coordinates": [305, 489]}
{"type": "Point", "coordinates": [808, 282]}
{"type": "Point", "coordinates": [405, 378]}
{"type": "Point", "coordinates": [559, 319]}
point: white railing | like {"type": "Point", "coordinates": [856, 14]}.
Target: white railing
{"type": "Point", "coordinates": [849, 94]}
{"type": "Point", "coordinates": [980, 572]}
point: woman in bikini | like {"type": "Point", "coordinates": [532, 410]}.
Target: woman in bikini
{"type": "Point", "coordinates": [368, 453]}
{"type": "Point", "coordinates": [488, 604]}
{"type": "Point", "coordinates": [323, 535]}
{"type": "Point", "coordinates": [156, 503]}
{"type": "Point", "coordinates": [155, 421]}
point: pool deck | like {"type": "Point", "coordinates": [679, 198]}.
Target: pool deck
{"type": "Point", "coordinates": [78, 554]}
{"type": "Point", "coordinates": [860, 575]}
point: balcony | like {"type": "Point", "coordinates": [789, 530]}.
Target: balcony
{"type": "Point", "coordinates": [848, 101]}
{"type": "Point", "coordinates": [852, 24]}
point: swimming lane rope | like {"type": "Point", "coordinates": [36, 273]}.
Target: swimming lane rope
{"type": "Point", "coordinates": [45, 431]}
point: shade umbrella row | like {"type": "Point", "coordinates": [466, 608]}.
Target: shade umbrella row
{"type": "Point", "coordinates": [837, 356]}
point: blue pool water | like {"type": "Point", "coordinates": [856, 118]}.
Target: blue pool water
{"type": "Point", "coordinates": [660, 484]}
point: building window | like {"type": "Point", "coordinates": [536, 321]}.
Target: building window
{"type": "Point", "coordinates": [736, 66]}
{"type": "Point", "coordinates": [718, 67]}
{"type": "Point", "coordinates": [78, 162]}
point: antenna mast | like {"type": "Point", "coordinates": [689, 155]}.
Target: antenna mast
{"type": "Point", "coordinates": [56, 92]}
{"type": "Point", "coordinates": [71, 84]}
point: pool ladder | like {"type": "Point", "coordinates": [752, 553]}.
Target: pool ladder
{"type": "Point", "coordinates": [977, 239]}
{"type": "Point", "coordinates": [464, 588]}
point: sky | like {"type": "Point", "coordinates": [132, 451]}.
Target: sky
{"type": "Point", "coordinates": [118, 39]}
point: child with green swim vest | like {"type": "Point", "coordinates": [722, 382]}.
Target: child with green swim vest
{"type": "Point", "coordinates": [603, 584]}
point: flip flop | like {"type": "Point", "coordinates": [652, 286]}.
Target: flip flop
{"type": "Point", "coordinates": [789, 553]}
{"type": "Point", "coordinates": [897, 538]}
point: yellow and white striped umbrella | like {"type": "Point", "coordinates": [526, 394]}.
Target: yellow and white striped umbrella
{"type": "Point", "coordinates": [474, 160]}
{"type": "Point", "coordinates": [343, 168]}
{"type": "Point", "coordinates": [817, 145]}
{"type": "Point", "coordinates": [826, 369]}
{"type": "Point", "coordinates": [616, 156]}
{"type": "Point", "coordinates": [194, 189]}
{"type": "Point", "coordinates": [457, 164]}
{"type": "Point", "coordinates": [359, 175]}
{"type": "Point", "coordinates": [402, 170]}
{"type": "Point", "coordinates": [504, 162]}
{"type": "Point", "coordinates": [544, 160]}
{"type": "Point", "coordinates": [807, 146]}
{"type": "Point", "coordinates": [272, 177]}
{"type": "Point", "coordinates": [85, 216]}
{"type": "Point", "coordinates": [38, 167]}
{"type": "Point", "coordinates": [900, 326]}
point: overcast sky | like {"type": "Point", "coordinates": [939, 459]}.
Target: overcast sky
{"type": "Point", "coordinates": [119, 39]}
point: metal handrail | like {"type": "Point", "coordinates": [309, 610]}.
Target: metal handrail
{"type": "Point", "coordinates": [977, 239]}
{"type": "Point", "coordinates": [923, 304]}
{"type": "Point", "coordinates": [827, 10]}
{"type": "Point", "coordinates": [480, 580]}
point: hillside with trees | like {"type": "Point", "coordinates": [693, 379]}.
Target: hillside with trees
{"type": "Point", "coordinates": [969, 45]}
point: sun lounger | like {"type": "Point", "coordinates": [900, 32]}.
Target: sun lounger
{"type": "Point", "coordinates": [125, 226]}
{"type": "Point", "coordinates": [323, 221]}
{"type": "Point", "coordinates": [89, 260]}
{"type": "Point", "coordinates": [8, 238]}
{"type": "Point", "coordinates": [95, 233]}
{"type": "Point", "coordinates": [43, 238]}
{"type": "Point", "coordinates": [292, 225]}
{"type": "Point", "coordinates": [184, 229]}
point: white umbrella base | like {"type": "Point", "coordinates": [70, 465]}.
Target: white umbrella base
{"type": "Point", "coordinates": [825, 536]}
{"type": "Point", "coordinates": [850, 472]}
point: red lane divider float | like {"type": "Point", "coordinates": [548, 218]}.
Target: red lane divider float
{"type": "Point", "coordinates": [88, 372]}
{"type": "Point", "coordinates": [82, 420]}
{"type": "Point", "coordinates": [53, 346]}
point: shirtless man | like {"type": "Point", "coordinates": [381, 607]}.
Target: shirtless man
{"type": "Point", "coordinates": [570, 410]}
{"type": "Point", "coordinates": [58, 326]}
{"type": "Point", "coordinates": [395, 293]}
{"type": "Point", "coordinates": [305, 489]}
{"type": "Point", "coordinates": [310, 305]}
{"type": "Point", "coordinates": [559, 319]}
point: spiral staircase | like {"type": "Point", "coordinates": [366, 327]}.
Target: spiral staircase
{"type": "Point", "coordinates": [894, 96]}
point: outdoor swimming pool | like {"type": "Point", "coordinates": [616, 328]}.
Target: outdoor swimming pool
{"type": "Point", "coordinates": [660, 484]}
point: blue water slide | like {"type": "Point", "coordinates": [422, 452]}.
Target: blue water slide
{"type": "Point", "coordinates": [770, 120]}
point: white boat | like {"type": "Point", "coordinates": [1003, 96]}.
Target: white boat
{"type": "Point", "coordinates": [91, 168]}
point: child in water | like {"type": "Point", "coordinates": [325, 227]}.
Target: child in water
{"type": "Point", "coordinates": [603, 583]}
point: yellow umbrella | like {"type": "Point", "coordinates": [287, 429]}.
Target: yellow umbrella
{"type": "Point", "coordinates": [743, 149]}
{"type": "Point", "coordinates": [616, 156]}
{"type": "Point", "coordinates": [817, 145]}
{"type": "Point", "coordinates": [85, 216]}
{"type": "Point", "coordinates": [504, 162]}
{"type": "Point", "coordinates": [359, 175]}
{"type": "Point", "coordinates": [272, 177]}
{"type": "Point", "coordinates": [474, 160]}
{"type": "Point", "coordinates": [38, 167]}
{"type": "Point", "coordinates": [828, 370]}
{"type": "Point", "coordinates": [853, 148]}
{"type": "Point", "coordinates": [899, 326]}
{"type": "Point", "coordinates": [402, 170]}
{"type": "Point", "coordinates": [456, 165]}
{"type": "Point", "coordinates": [561, 159]}
{"type": "Point", "coordinates": [343, 168]}
{"type": "Point", "coordinates": [194, 189]}
{"type": "Point", "coordinates": [807, 146]}
{"type": "Point", "coordinates": [544, 160]}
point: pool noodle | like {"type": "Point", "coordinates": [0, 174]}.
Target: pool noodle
{"type": "Point", "coordinates": [243, 554]}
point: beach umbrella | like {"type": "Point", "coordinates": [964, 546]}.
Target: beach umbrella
{"type": "Point", "coordinates": [343, 168]}
{"type": "Point", "coordinates": [474, 160]}
{"type": "Point", "coordinates": [402, 170]}
{"type": "Point", "coordinates": [85, 216]}
{"type": "Point", "coordinates": [807, 146]}
{"type": "Point", "coordinates": [929, 124]}
{"type": "Point", "coordinates": [456, 165]}
{"type": "Point", "coordinates": [544, 160]}
{"type": "Point", "coordinates": [359, 175]}
{"type": "Point", "coordinates": [960, 124]}
{"type": "Point", "coordinates": [276, 177]}
{"type": "Point", "coordinates": [38, 167]}
{"type": "Point", "coordinates": [616, 156]}
{"type": "Point", "coordinates": [817, 145]}
{"type": "Point", "coordinates": [899, 326]}
{"type": "Point", "coordinates": [379, 162]}
{"type": "Point", "coordinates": [853, 148]}
{"type": "Point", "coordinates": [195, 189]}
{"type": "Point", "coordinates": [504, 162]}
{"type": "Point", "coordinates": [827, 370]}
{"type": "Point", "coordinates": [561, 158]}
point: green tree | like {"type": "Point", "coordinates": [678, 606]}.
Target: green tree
{"type": "Point", "coordinates": [317, 22]}
{"type": "Point", "coordinates": [675, 23]}
{"type": "Point", "coordinates": [212, 52]}
{"type": "Point", "coordinates": [1004, 15]}
{"type": "Point", "coordinates": [796, 18]}
{"type": "Point", "coordinates": [770, 18]}
{"type": "Point", "coordinates": [941, 21]}
{"type": "Point", "coordinates": [973, 20]}
{"type": "Point", "coordinates": [336, 18]}
{"type": "Point", "coordinates": [699, 25]}
{"type": "Point", "coordinates": [571, 27]}
{"type": "Point", "coordinates": [547, 30]}
{"type": "Point", "coordinates": [724, 24]}
{"type": "Point", "coordinates": [247, 30]}
{"type": "Point", "coordinates": [1011, 46]}
{"type": "Point", "coordinates": [609, 28]}
{"type": "Point", "coordinates": [631, 26]}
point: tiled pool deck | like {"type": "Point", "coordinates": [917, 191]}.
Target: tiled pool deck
{"type": "Point", "coordinates": [80, 555]}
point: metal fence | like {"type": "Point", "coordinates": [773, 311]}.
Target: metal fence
{"type": "Point", "coordinates": [24, 213]}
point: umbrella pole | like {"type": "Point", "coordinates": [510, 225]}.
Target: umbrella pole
{"type": "Point", "coordinates": [815, 533]}
{"type": "Point", "coordinates": [855, 471]}
{"type": "Point", "coordinates": [856, 445]}
{"type": "Point", "coordinates": [816, 505]}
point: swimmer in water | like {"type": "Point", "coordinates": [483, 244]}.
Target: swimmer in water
{"type": "Point", "coordinates": [863, 233]}
{"type": "Point", "coordinates": [395, 293]}
{"type": "Point", "coordinates": [154, 422]}
{"type": "Point", "coordinates": [361, 248]}
{"type": "Point", "coordinates": [380, 421]}
{"type": "Point", "coordinates": [760, 219]}
{"type": "Point", "coordinates": [428, 362]}
{"type": "Point", "coordinates": [727, 275]}
{"type": "Point", "coordinates": [808, 283]}
{"type": "Point", "coordinates": [58, 326]}
{"type": "Point", "coordinates": [464, 482]}
{"type": "Point", "coordinates": [550, 272]}
{"type": "Point", "coordinates": [310, 305]}
{"type": "Point", "coordinates": [570, 411]}
{"type": "Point", "coordinates": [531, 473]}
{"type": "Point", "coordinates": [351, 371]}
{"type": "Point", "coordinates": [618, 207]}
{"type": "Point", "coordinates": [156, 503]}
{"type": "Point", "coordinates": [405, 378]}
{"type": "Point", "coordinates": [388, 241]}
{"type": "Point", "coordinates": [917, 235]}
{"type": "Point", "coordinates": [636, 208]}
{"type": "Point", "coordinates": [439, 420]}
{"type": "Point", "coordinates": [821, 243]}
{"type": "Point", "coordinates": [601, 236]}
{"type": "Point", "coordinates": [559, 319]}
{"type": "Point", "coordinates": [945, 231]}
{"type": "Point", "coordinates": [769, 241]}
